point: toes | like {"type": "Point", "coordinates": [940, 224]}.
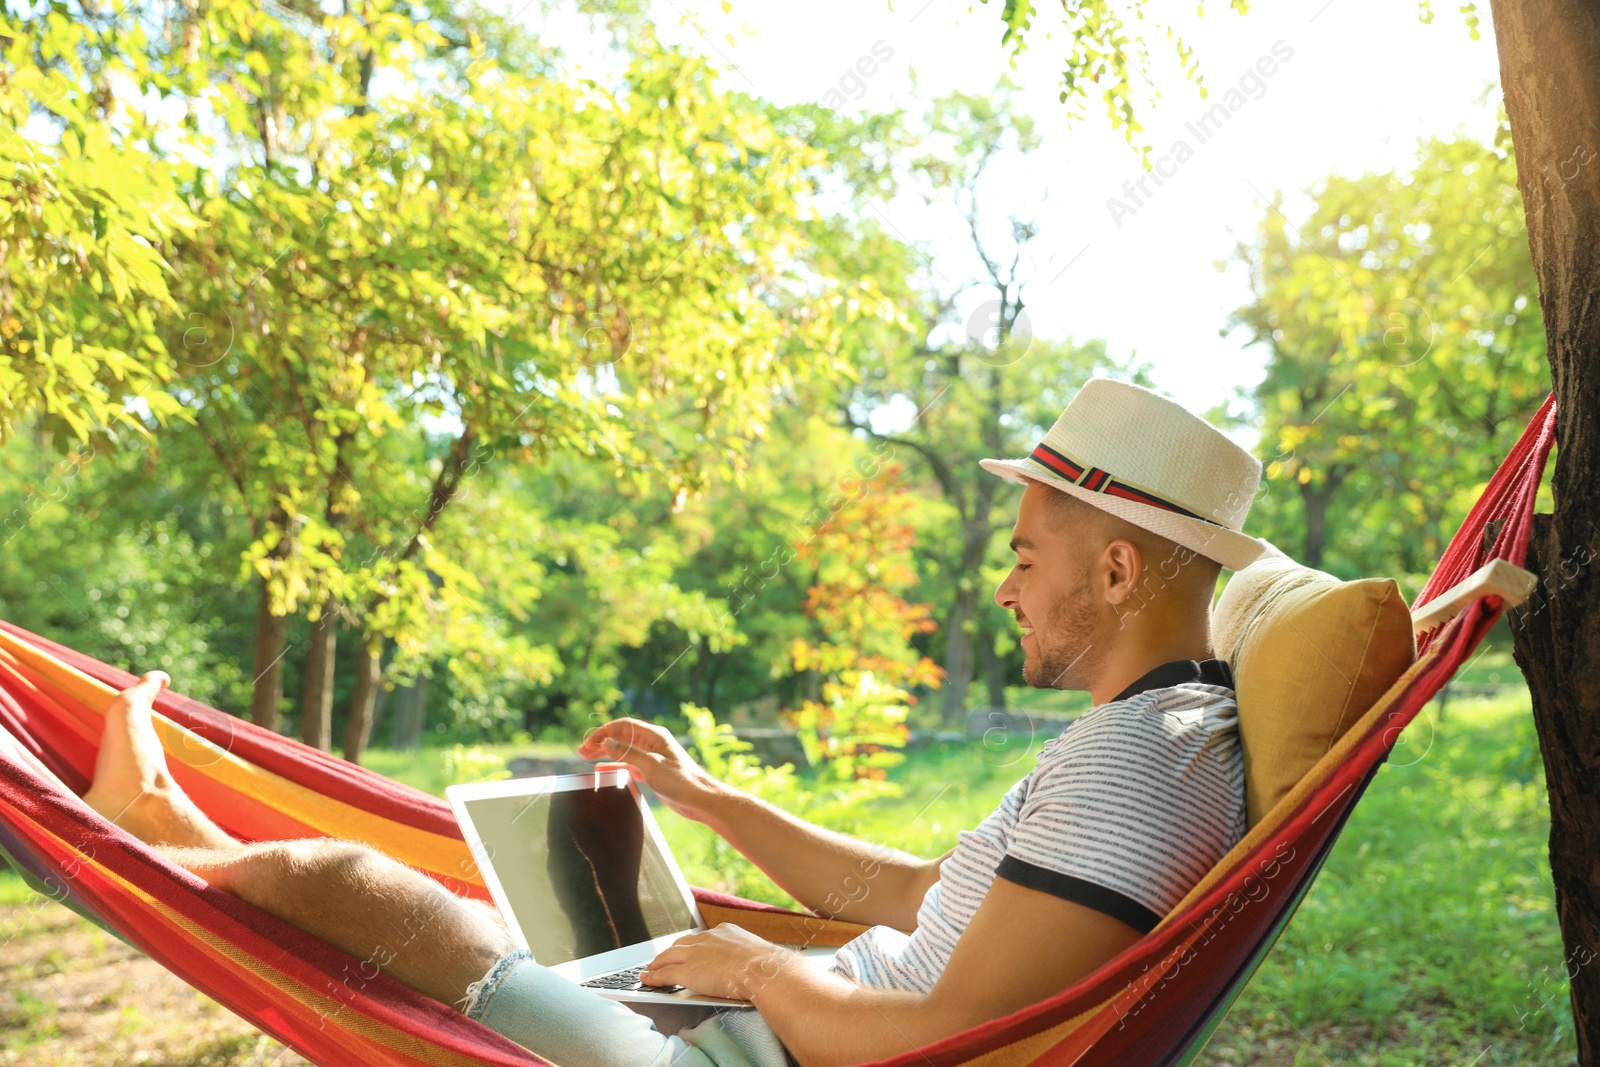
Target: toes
{"type": "Point", "coordinates": [158, 680]}
{"type": "Point", "coordinates": [144, 690]}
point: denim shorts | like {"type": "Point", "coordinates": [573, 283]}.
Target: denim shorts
{"type": "Point", "coordinates": [561, 1021]}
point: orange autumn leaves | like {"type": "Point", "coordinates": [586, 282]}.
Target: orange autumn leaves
{"type": "Point", "coordinates": [862, 565]}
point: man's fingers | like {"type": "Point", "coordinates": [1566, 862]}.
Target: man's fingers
{"type": "Point", "coordinates": [668, 957]}
{"type": "Point", "coordinates": [629, 732]}
{"type": "Point", "coordinates": [639, 758]}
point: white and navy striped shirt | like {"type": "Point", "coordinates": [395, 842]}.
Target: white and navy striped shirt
{"type": "Point", "coordinates": [1126, 810]}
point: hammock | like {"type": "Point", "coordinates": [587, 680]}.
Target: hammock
{"type": "Point", "coordinates": [1156, 1003]}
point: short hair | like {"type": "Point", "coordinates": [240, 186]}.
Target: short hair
{"type": "Point", "coordinates": [1196, 577]}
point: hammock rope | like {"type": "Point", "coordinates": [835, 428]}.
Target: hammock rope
{"type": "Point", "coordinates": [1156, 1003]}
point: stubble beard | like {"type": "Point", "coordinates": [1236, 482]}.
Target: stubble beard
{"type": "Point", "coordinates": [1064, 654]}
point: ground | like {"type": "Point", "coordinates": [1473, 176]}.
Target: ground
{"type": "Point", "coordinates": [74, 994]}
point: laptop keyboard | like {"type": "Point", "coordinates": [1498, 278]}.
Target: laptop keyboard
{"type": "Point", "coordinates": [628, 979]}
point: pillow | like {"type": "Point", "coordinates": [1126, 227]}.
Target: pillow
{"type": "Point", "coordinates": [1310, 655]}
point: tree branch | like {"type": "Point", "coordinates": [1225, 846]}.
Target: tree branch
{"type": "Point", "coordinates": [941, 469]}
{"type": "Point", "coordinates": [456, 463]}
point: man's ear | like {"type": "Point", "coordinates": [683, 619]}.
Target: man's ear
{"type": "Point", "coordinates": [1123, 564]}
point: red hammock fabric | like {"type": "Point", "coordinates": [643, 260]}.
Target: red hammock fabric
{"type": "Point", "coordinates": [1154, 1004]}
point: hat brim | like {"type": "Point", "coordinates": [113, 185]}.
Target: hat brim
{"type": "Point", "coordinates": [1230, 548]}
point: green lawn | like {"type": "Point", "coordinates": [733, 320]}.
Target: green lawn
{"type": "Point", "coordinates": [1430, 936]}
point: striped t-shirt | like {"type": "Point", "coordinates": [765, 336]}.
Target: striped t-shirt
{"type": "Point", "coordinates": [1126, 810]}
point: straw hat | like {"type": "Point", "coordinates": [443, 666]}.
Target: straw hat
{"type": "Point", "coordinates": [1146, 459]}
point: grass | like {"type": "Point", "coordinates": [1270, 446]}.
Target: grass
{"type": "Point", "coordinates": [1431, 934]}
{"type": "Point", "coordinates": [433, 767]}
{"type": "Point", "coordinates": [1429, 937]}
{"type": "Point", "coordinates": [13, 890]}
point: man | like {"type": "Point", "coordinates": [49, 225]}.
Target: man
{"type": "Point", "coordinates": [1132, 506]}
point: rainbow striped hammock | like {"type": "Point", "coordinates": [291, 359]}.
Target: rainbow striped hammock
{"type": "Point", "coordinates": [1157, 1003]}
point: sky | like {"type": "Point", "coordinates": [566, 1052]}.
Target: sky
{"type": "Point", "coordinates": [1327, 86]}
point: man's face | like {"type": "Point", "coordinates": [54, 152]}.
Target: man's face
{"type": "Point", "coordinates": [1050, 593]}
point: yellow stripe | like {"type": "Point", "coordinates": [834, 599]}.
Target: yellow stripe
{"type": "Point", "coordinates": [423, 849]}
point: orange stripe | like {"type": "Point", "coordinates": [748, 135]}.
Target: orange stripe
{"type": "Point", "coordinates": [72, 717]}
{"type": "Point", "coordinates": [88, 697]}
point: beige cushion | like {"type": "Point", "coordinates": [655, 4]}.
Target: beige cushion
{"type": "Point", "coordinates": [1310, 654]}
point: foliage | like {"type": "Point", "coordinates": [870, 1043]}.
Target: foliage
{"type": "Point", "coordinates": [582, 574]}
{"type": "Point", "coordinates": [410, 244]}
{"type": "Point", "coordinates": [83, 289]}
{"type": "Point", "coordinates": [1104, 49]}
{"type": "Point", "coordinates": [861, 561]}
{"type": "Point", "coordinates": [1103, 54]}
{"type": "Point", "coordinates": [474, 764]}
{"type": "Point", "coordinates": [727, 758]}
{"type": "Point", "coordinates": [1406, 352]}
{"type": "Point", "coordinates": [958, 392]}
{"type": "Point", "coordinates": [128, 572]}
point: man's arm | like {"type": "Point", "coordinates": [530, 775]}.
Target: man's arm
{"type": "Point", "coordinates": [1022, 946]}
{"type": "Point", "coordinates": [828, 872]}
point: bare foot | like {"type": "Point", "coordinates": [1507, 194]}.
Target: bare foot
{"type": "Point", "coordinates": [132, 786]}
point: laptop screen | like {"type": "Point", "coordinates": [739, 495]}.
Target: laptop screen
{"type": "Point", "coordinates": [579, 871]}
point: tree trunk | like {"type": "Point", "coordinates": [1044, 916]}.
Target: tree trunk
{"type": "Point", "coordinates": [994, 671]}
{"type": "Point", "coordinates": [380, 705]}
{"type": "Point", "coordinates": [700, 674]}
{"type": "Point", "coordinates": [1317, 499]}
{"type": "Point", "coordinates": [959, 653]}
{"type": "Point", "coordinates": [958, 659]}
{"type": "Point", "coordinates": [962, 624]}
{"type": "Point", "coordinates": [1316, 526]}
{"type": "Point", "coordinates": [316, 701]}
{"type": "Point", "coordinates": [811, 684]}
{"type": "Point", "coordinates": [409, 707]}
{"type": "Point", "coordinates": [358, 727]}
{"type": "Point", "coordinates": [1551, 81]}
{"type": "Point", "coordinates": [266, 694]}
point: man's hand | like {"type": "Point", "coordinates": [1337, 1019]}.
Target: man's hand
{"type": "Point", "coordinates": [726, 961]}
{"type": "Point", "coordinates": [656, 759]}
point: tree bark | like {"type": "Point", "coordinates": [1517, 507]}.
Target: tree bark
{"type": "Point", "coordinates": [1549, 54]}
{"type": "Point", "coordinates": [380, 704]}
{"type": "Point", "coordinates": [408, 712]}
{"type": "Point", "coordinates": [994, 671]}
{"type": "Point", "coordinates": [958, 658]}
{"type": "Point", "coordinates": [460, 461]}
{"type": "Point", "coordinates": [1317, 499]}
{"type": "Point", "coordinates": [700, 683]}
{"type": "Point", "coordinates": [358, 728]}
{"type": "Point", "coordinates": [266, 694]}
{"type": "Point", "coordinates": [316, 704]}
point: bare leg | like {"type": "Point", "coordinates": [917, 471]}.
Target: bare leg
{"type": "Point", "coordinates": [373, 907]}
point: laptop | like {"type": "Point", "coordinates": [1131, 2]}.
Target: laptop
{"type": "Point", "coordinates": [583, 878]}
